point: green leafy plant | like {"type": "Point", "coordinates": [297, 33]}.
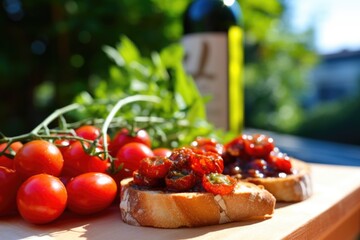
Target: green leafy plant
{"type": "Point", "coordinates": [176, 120]}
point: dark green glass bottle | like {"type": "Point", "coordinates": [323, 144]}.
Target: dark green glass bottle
{"type": "Point", "coordinates": [214, 57]}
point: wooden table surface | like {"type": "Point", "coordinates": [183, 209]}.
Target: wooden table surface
{"type": "Point", "coordinates": [333, 212]}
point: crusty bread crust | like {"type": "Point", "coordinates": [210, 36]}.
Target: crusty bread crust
{"type": "Point", "coordinates": [192, 209]}
{"type": "Point", "coordinates": [292, 188]}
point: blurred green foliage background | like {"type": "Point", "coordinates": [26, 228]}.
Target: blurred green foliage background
{"type": "Point", "coordinates": [52, 50]}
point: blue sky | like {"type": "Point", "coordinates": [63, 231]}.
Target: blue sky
{"type": "Point", "coordinates": [336, 22]}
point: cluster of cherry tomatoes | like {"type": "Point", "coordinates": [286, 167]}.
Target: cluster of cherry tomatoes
{"type": "Point", "coordinates": [46, 178]}
{"type": "Point", "coordinates": [197, 167]}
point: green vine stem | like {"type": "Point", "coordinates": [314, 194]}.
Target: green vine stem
{"type": "Point", "coordinates": [42, 131]}
{"type": "Point", "coordinates": [57, 113]}
{"type": "Point", "coordinates": [116, 108]}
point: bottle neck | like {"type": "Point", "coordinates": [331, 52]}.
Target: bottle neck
{"type": "Point", "coordinates": [211, 16]}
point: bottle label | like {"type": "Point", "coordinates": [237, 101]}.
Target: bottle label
{"type": "Point", "coordinates": [215, 62]}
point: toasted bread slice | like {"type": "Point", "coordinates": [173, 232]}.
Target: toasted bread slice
{"type": "Point", "coordinates": [292, 188]}
{"type": "Point", "coordinates": [192, 209]}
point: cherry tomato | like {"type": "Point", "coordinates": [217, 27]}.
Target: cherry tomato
{"type": "Point", "coordinates": [124, 136]}
{"type": "Point", "coordinates": [162, 152]}
{"type": "Point", "coordinates": [131, 154]}
{"type": "Point", "coordinates": [90, 193]}
{"type": "Point", "coordinates": [129, 158]}
{"type": "Point", "coordinates": [9, 185]}
{"type": "Point", "coordinates": [258, 145]}
{"type": "Point", "coordinates": [257, 164]}
{"type": "Point", "coordinates": [217, 183]}
{"type": "Point", "coordinates": [208, 145]}
{"type": "Point", "coordinates": [63, 144]}
{"type": "Point", "coordinates": [41, 199]}
{"type": "Point", "coordinates": [206, 162]}
{"type": "Point", "coordinates": [280, 162]}
{"type": "Point", "coordinates": [6, 161]}
{"type": "Point", "coordinates": [235, 148]}
{"type": "Point", "coordinates": [181, 158]}
{"type": "Point", "coordinates": [142, 180]}
{"type": "Point", "coordinates": [38, 156]}
{"type": "Point", "coordinates": [155, 167]}
{"type": "Point", "coordinates": [180, 180]}
{"type": "Point", "coordinates": [78, 161]}
{"type": "Point", "coordinates": [91, 132]}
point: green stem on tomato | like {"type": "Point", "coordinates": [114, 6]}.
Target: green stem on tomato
{"type": "Point", "coordinates": [116, 108]}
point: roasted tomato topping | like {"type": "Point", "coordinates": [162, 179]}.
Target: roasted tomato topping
{"type": "Point", "coordinates": [145, 181]}
{"type": "Point", "coordinates": [206, 165]}
{"type": "Point", "coordinates": [217, 183]}
{"type": "Point", "coordinates": [155, 167]}
{"type": "Point", "coordinates": [235, 147]}
{"type": "Point", "coordinates": [258, 145]}
{"type": "Point", "coordinates": [207, 162]}
{"type": "Point", "coordinates": [280, 162]}
{"type": "Point", "coordinates": [181, 158]}
{"type": "Point", "coordinates": [255, 156]}
{"type": "Point", "coordinates": [180, 180]}
{"type": "Point", "coordinates": [208, 145]}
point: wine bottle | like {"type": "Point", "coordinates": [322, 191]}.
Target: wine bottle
{"type": "Point", "coordinates": [213, 46]}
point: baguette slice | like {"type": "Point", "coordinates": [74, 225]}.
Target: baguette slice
{"type": "Point", "coordinates": [192, 209]}
{"type": "Point", "coordinates": [292, 188]}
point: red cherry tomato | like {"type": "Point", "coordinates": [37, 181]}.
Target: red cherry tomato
{"type": "Point", "coordinates": [257, 164]}
{"type": "Point", "coordinates": [235, 148]}
{"type": "Point", "coordinates": [91, 132]}
{"type": "Point", "coordinates": [38, 156]}
{"type": "Point", "coordinates": [208, 145]}
{"type": "Point", "coordinates": [155, 167]}
{"type": "Point", "coordinates": [131, 154]}
{"type": "Point", "coordinates": [78, 161]}
{"type": "Point", "coordinates": [41, 199]}
{"type": "Point", "coordinates": [217, 183]}
{"type": "Point", "coordinates": [206, 162]}
{"type": "Point", "coordinates": [129, 158]}
{"type": "Point", "coordinates": [142, 180]}
{"type": "Point", "coordinates": [258, 145]}
{"type": "Point", "coordinates": [6, 161]}
{"type": "Point", "coordinates": [181, 158]}
{"type": "Point", "coordinates": [180, 180]}
{"type": "Point", "coordinates": [162, 152]}
{"type": "Point", "coordinates": [124, 136]}
{"type": "Point", "coordinates": [280, 162]}
{"type": "Point", "coordinates": [62, 145]}
{"type": "Point", "coordinates": [9, 185]}
{"type": "Point", "coordinates": [90, 193]}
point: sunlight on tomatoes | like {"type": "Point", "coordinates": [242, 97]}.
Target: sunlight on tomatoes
{"type": "Point", "coordinates": [258, 145]}
{"type": "Point", "coordinates": [41, 199]}
{"type": "Point", "coordinates": [90, 193]}
{"type": "Point", "coordinates": [124, 136]}
{"type": "Point", "coordinates": [6, 161]}
{"type": "Point", "coordinates": [62, 144]}
{"type": "Point", "coordinates": [90, 132]}
{"type": "Point", "coordinates": [77, 161]}
{"type": "Point", "coordinates": [129, 158]}
{"type": "Point", "coordinates": [38, 156]}
{"type": "Point", "coordinates": [131, 154]}
{"type": "Point", "coordinates": [9, 184]}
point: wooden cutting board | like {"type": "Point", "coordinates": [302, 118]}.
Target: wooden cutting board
{"type": "Point", "coordinates": [333, 212]}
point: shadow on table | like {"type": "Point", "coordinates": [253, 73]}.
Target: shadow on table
{"type": "Point", "coordinates": [121, 230]}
